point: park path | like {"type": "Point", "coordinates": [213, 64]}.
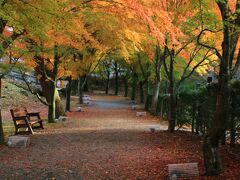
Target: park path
{"type": "Point", "coordinates": [104, 141]}
{"type": "Point", "coordinates": [112, 113]}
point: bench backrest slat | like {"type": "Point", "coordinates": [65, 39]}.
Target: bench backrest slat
{"type": "Point", "coordinates": [19, 115]}
{"type": "Point", "coordinates": [19, 112]}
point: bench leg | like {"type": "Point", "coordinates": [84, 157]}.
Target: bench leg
{"type": "Point", "coordinates": [30, 130]}
{"type": "Point", "coordinates": [41, 124]}
{"type": "Point", "coordinates": [16, 131]}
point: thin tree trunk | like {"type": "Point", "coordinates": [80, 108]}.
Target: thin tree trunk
{"type": "Point", "coordinates": [116, 78]}
{"type": "Point", "coordinates": [80, 91]}
{"type": "Point", "coordinates": [68, 94]}
{"type": "Point", "coordinates": [159, 60]}
{"type": "Point", "coordinates": [85, 83]}
{"type": "Point", "coordinates": [107, 84]}
{"type": "Point", "coordinates": [199, 118]}
{"type": "Point", "coordinates": [146, 107]}
{"type": "Point", "coordinates": [172, 113]}
{"type": "Point", "coordinates": [126, 87]}
{"type": "Point", "coordinates": [162, 105]}
{"type": "Point", "coordinates": [141, 92]}
{"type": "Point", "coordinates": [193, 115]}
{"type": "Point", "coordinates": [134, 83]}
{"type": "Point", "coordinates": [164, 100]}
{"type": "Point", "coordinates": [155, 96]}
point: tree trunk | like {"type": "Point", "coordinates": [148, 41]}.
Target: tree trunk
{"type": "Point", "coordinates": [199, 118]}
{"type": "Point", "coordinates": [141, 92]}
{"type": "Point", "coordinates": [107, 84]}
{"type": "Point", "coordinates": [116, 78]}
{"type": "Point", "coordinates": [68, 94]}
{"type": "Point", "coordinates": [193, 115]}
{"type": "Point", "coordinates": [232, 123]}
{"type": "Point", "coordinates": [59, 106]}
{"type": "Point", "coordinates": [162, 106]}
{"type": "Point", "coordinates": [85, 83]}
{"type": "Point", "coordinates": [212, 160]}
{"type": "Point", "coordinates": [146, 106]}
{"type": "Point", "coordinates": [80, 91]}
{"type": "Point", "coordinates": [172, 112]}
{"type": "Point", "coordinates": [134, 83]}
{"type": "Point", "coordinates": [52, 105]}
{"type": "Point", "coordinates": [155, 96]}
{"type": "Point", "coordinates": [48, 86]}
{"type": "Point", "coordinates": [126, 87]}
{"type": "Point", "coordinates": [159, 60]}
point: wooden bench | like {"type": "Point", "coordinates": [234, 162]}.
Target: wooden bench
{"type": "Point", "coordinates": [183, 171]}
{"type": "Point", "coordinates": [25, 121]}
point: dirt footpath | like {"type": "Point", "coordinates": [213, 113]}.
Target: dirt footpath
{"type": "Point", "coordinates": [104, 141]}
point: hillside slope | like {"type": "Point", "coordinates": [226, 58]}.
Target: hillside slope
{"type": "Point", "coordinates": [14, 96]}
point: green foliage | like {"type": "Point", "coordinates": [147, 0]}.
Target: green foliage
{"type": "Point", "coordinates": [205, 17]}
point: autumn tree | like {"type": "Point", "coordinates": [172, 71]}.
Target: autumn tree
{"type": "Point", "coordinates": [18, 18]}
{"type": "Point", "coordinates": [229, 11]}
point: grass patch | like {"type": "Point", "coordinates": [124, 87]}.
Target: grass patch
{"type": "Point", "coordinates": [8, 128]}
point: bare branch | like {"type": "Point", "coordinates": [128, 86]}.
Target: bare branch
{"type": "Point", "coordinates": [30, 89]}
{"type": "Point", "coordinates": [184, 77]}
{"type": "Point", "coordinates": [8, 41]}
{"type": "Point", "coordinates": [183, 47]}
{"type": "Point", "coordinates": [192, 56]}
{"type": "Point", "coordinates": [207, 46]}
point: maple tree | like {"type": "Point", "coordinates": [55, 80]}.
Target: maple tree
{"type": "Point", "coordinates": [18, 18]}
{"type": "Point", "coordinates": [230, 21]}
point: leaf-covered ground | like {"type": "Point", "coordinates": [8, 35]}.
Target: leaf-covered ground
{"type": "Point", "coordinates": [107, 141]}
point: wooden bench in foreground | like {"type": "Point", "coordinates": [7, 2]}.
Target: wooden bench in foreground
{"type": "Point", "coordinates": [24, 121]}
{"type": "Point", "coordinates": [183, 171]}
